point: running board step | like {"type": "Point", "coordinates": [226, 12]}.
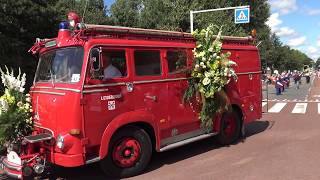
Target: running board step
{"type": "Point", "coordinates": [187, 141]}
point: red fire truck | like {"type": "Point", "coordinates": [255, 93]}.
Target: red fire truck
{"type": "Point", "coordinates": [114, 95]}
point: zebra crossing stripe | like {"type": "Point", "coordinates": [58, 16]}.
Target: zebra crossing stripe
{"type": "Point", "coordinates": [300, 108]}
{"type": "Point", "coordinates": [277, 107]}
{"type": "Point", "coordinates": [264, 103]}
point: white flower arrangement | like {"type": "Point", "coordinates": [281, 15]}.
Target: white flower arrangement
{"type": "Point", "coordinates": [15, 108]}
{"type": "Point", "coordinates": [211, 72]}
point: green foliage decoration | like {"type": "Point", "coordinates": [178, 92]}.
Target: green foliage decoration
{"type": "Point", "coordinates": [15, 109]}
{"type": "Point", "coordinates": [212, 70]}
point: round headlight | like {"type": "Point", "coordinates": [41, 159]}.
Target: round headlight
{"type": "Point", "coordinates": [60, 141]}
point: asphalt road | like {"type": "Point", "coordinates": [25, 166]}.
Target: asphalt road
{"type": "Point", "coordinates": [284, 144]}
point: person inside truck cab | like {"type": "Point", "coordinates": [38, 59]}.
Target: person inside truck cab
{"type": "Point", "coordinates": [109, 71]}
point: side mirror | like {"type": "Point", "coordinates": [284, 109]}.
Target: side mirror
{"type": "Point", "coordinates": [95, 59]}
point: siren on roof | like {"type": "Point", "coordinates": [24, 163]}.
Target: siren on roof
{"type": "Point", "coordinates": [64, 25]}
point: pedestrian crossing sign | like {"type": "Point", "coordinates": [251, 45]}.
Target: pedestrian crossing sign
{"type": "Point", "coordinates": [242, 15]}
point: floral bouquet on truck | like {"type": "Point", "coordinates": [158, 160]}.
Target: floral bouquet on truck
{"type": "Point", "coordinates": [15, 109]}
{"type": "Point", "coordinates": [211, 72]}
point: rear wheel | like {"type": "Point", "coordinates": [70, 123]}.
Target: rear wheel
{"type": "Point", "coordinates": [229, 128]}
{"type": "Point", "coordinates": [129, 153]}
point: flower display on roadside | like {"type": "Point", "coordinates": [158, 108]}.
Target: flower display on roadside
{"type": "Point", "coordinates": [211, 71]}
{"type": "Point", "coordinates": [15, 108]}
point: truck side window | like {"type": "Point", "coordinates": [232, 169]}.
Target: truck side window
{"type": "Point", "coordinates": [177, 61]}
{"type": "Point", "coordinates": [114, 64]}
{"type": "Point", "coordinates": [147, 63]}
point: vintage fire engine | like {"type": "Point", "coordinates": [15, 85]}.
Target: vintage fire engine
{"type": "Point", "coordinates": [114, 95]}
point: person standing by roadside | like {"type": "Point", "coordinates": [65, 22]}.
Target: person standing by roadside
{"type": "Point", "coordinates": [278, 85]}
{"type": "Point", "coordinates": [296, 78]}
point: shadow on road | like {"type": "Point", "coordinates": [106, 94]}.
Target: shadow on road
{"type": "Point", "coordinates": [257, 127]}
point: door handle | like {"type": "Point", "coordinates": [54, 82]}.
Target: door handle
{"type": "Point", "coordinates": [153, 98]}
{"type": "Point", "coordinates": [129, 87]}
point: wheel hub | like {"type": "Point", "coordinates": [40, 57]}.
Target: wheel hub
{"type": "Point", "coordinates": [126, 152]}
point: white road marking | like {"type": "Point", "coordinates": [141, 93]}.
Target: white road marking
{"type": "Point", "coordinates": [277, 107]}
{"type": "Point", "coordinates": [300, 108]}
{"type": "Point", "coordinates": [318, 108]}
{"type": "Point", "coordinates": [316, 96]}
{"type": "Point", "coordinates": [264, 103]}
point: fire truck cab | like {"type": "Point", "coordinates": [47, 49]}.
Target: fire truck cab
{"type": "Point", "coordinates": [114, 95]}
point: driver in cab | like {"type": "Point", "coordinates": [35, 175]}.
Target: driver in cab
{"type": "Point", "coordinates": [110, 71]}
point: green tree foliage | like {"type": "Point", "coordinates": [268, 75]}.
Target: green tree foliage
{"type": "Point", "coordinates": [317, 64]}
{"type": "Point", "coordinates": [23, 21]}
{"type": "Point", "coordinates": [94, 13]}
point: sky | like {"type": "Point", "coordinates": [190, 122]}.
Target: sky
{"type": "Point", "coordinates": [108, 2]}
{"type": "Point", "coordinates": [296, 22]}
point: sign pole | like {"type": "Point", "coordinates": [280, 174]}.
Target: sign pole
{"type": "Point", "coordinates": [211, 10]}
{"type": "Point", "coordinates": [191, 21]}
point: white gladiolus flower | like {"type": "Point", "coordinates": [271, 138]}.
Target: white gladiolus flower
{"type": "Point", "coordinates": [21, 90]}
{"type": "Point", "coordinates": [28, 99]}
{"type": "Point", "coordinates": [4, 105]}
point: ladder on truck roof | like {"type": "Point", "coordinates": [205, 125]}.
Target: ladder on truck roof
{"type": "Point", "coordinates": [108, 31]}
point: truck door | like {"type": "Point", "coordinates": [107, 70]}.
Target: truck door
{"type": "Point", "coordinates": [149, 87]}
{"type": "Point", "coordinates": [183, 118]}
{"type": "Point", "coordinates": [105, 92]}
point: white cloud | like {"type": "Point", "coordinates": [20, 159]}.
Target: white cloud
{"type": "Point", "coordinates": [313, 12]}
{"type": "Point", "coordinates": [312, 49]}
{"type": "Point", "coordinates": [295, 42]}
{"type": "Point", "coordinates": [284, 6]}
{"type": "Point", "coordinates": [273, 21]}
{"type": "Point", "coordinates": [313, 52]}
{"type": "Point", "coordinates": [318, 41]}
{"type": "Point", "coordinates": [285, 32]}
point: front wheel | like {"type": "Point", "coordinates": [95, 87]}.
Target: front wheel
{"type": "Point", "coordinates": [229, 128]}
{"type": "Point", "coordinates": [129, 153]}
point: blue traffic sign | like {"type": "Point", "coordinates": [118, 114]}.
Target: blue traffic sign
{"type": "Point", "coordinates": [242, 15]}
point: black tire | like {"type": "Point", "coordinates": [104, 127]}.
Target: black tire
{"type": "Point", "coordinates": [227, 134]}
{"type": "Point", "coordinates": [113, 168]}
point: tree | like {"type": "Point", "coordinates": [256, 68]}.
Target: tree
{"type": "Point", "coordinates": [126, 12]}
{"type": "Point", "coordinates": [317, 64]}
{"type": "Point", "coordinates": [23, 21]}
{"type": "Point", "coordinates": [94, 11]}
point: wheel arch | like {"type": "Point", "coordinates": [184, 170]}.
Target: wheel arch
{"type": "Point", "coordinates": [140, 119]}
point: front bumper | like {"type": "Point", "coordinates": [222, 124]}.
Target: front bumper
{"type": "Point", "coordinates": [10, 169]}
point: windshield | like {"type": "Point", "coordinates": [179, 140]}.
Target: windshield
{"type": "Point", "coordinates": [60, 65]}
